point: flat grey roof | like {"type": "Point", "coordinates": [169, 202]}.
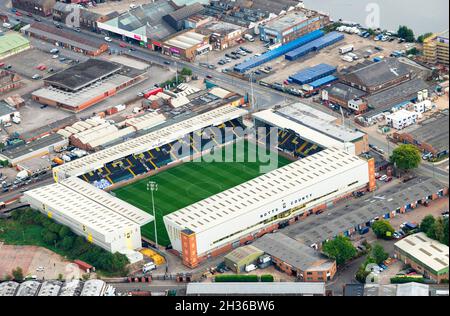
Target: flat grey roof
{"type": "Point", "coordinates": [434, 131]}
{"type": "Point", "coordinates": [40, 143]}
{"type": "Point", "coordinates": [345, 92]}
{"type": "Point", "coordinates": [253, 288]}
{"type": "Point", "coordinates": [286, 21]}
{"type": "Point", "coordinates": [289, 250]}
{"type": "Point", "coordinates": [316, 229]}
{"type": "Point", "coordinates": [83, 74]}
{"type": "Point", "coordinates": [385, 100]}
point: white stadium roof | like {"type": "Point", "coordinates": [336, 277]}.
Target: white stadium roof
{"type": "Point", "coordinates": [307, 133]}
{"type": "Point", "coordinates": [264, 189]}
{"type": "Point", "coordinates": [149, 141]}
{"type": "Point", "coordinates": [117, 205]}
{"type": "Point", "coordinates": [80, 209]}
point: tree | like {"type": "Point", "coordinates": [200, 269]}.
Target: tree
{"type": "Point", "coordinates": [427, 224]}
{"type": "Point", "coordinates": [67, 242]}
{"type": "Point", "coordinates": [379, 254]}
{"type": "Point", "coordinates": [64, 232]}
{"type": "Point", "coordinates": [186, 72]}
{"type": "Point", "coordinates": [438, 228]}
{"type": "Point", "coordinates": [406, 157]}
{"type": "Point", "coordinates": [422, 37]}
{"type": "Point", "coordinates": [383, 229]}
{"type": "Point", "coordinates": [340, 249]}
{"type": "Point", "coordinates": [406, 33]}
{"type": "Point", "coordinates": [17, 274]}
{"type": "Point", "coordinates": [446, 232]}
{"type": "Point", "coordinates": [49, 238]}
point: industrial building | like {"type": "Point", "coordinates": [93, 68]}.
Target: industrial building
{"type": "Point", "coordinates": [222, 35]}
{"type": "Point", "coordinates": [39, 7]}
{"type": "Point", "coordinates": [345, 96]}
{"type": "Point", "coordinates": [241, 257]}
{"type": "Point", "coordinates": [240, 213]}
{"type": "Point", "coordinates": [37, 148]}
{"type": "Point", "coordinates": [425, 255]}
{"type": "Point", "coordinates": [176, 18]}
{"type": "Point", "coordinates": [72, 41]}
{"type": "Point", "coordinates": [186, 45]}
{"type": "Point", "coordinates": [92, 213]}
{"type": "Point", "coordinates": [406, 289]}
{"type": "Point", "coordinates": [292, 25]}
{"type": "Point", "coordinates": [435, 49]}
{"type": "Point", "coordinates": [86, 84]}
{"type": "Point", "coordinates": [277, 52]}
{"type": "Point", "coordinates": [372, 77]}
{"type": "Point", "coordinates": [311, 74]}
{"type": "Point", "coordinates": [432, 136]}
{"type": "Point", "coordinates": [86, 20]}
{"type": "Point", "coordinates": [256, 289]}
{"type": "Point", "coordinates": [314, 127]}
{"type": "Point", "coordinates": [402, 118]}
{"type": "Point", "coordinates": [296, 258]}
{"type": "Point", "coordinates": [393, 99]}
{"type": "Point", "coordinates": [143, 25]}
{"type": "Point", "coordinates": [11, 44]}
{"type": "Point", "coordinates": [315, 46]}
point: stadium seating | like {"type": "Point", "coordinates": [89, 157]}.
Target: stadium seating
{"type": "Point", "coordinates": [133, 165]}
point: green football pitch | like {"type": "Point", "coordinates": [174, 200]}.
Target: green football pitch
{"type": "Point", "coordinates": [191, 182]}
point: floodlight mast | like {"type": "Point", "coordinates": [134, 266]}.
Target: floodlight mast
{"type": "Point", "coordinates": [153, 186]}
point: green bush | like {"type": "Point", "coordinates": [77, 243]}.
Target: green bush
{"type": "Point", "coordinates": [266, 278]}
{"type": "Point", "coordinates": [397, 280]}
{"type": "Point", "coordinates": [236, 278]}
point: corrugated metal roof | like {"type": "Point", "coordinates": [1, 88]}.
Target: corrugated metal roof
{"type": "Point", "coordinates": [260, 288]}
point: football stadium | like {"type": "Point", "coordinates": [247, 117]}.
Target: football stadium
{"type": "Point", "coordinates": [191, 182]}
{"type": "Point", "coordinates": [205, 207]}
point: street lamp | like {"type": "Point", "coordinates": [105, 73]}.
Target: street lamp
{"type": "Point", "coordinates": [153, 186]}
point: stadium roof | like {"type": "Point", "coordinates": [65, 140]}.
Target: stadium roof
{"type": "Point", "coordinates": [117, 205]}
{"type": "Point", "coordinates": [83, 74]}
{"type": "Point", "coordinates": [319, 121]}
{"type": "Point", "coordinates": [150, 140]}
{"type": "Point", "coordinates": [426, 251]}
{"type": "Point", "coordinates": [253, 288]}
{"type": "Point", "coordinates": [263, 190]}
{"type": "Point", "coordinates": [81, 209]}
{"type": "Point", "coordinates": [306, 132]}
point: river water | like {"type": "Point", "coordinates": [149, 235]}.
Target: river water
{"type": "Point", "coordinates": [420, 15]}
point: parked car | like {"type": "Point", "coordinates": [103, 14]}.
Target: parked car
{"type": "Point", "coordinates": [167, 62]}
{"type": "Point", "coordinates": [108, 39]}
{"type": "Point", "coordinates": [383, 178]}
{"type": "Point", "coordinates": [388, 179]}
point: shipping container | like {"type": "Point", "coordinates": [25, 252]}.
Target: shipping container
{"type": "Point", "coordinates": [283, 49]}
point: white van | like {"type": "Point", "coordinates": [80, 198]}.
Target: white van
{"type": "Point", "coordinates": [7, 25]}
{"type": "Point", "coordinates": [148, 267]}
{"type": "Point", "coordinates": [250, 268]}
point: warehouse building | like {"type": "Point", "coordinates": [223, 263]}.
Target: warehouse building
{"type": "Point", "coordinates": [86, 84]}
{"type": "Point", "coordinates": [425, 255]}
{"type": "Point", "coordinates": [143, 25]}
{"type": "Point", "coordinates": [315, 46]}
{"type": "Point", "coordinates": [186, 45]}
{"type": "Point", "coordinates": [86, 19]}
{"type": "Point", "coordinates": [256, 289]}
{"type": "Point", "coordinates": [432, 136]}
{"type": "Point", "coordinates": [94, 214]}
{"type": "Point", "coordinates": [241, 257]}
{"type": "Point", "coordinates": [392, 99]}
{"type": "Point", "coordinates": [284, 193]}
{"type": "Point", "coordinates": [372, 77]}
{"type": "Point", "coordinates": [39, 7]}
{"type": "Point", "coordinates": [61, 38]}
{"type": "Point", "coordinates": [37, 148]}
{"type": "Point", "coordinates": [402, 118]}
{"type": "Point", "coordinates": [177, 18]}
{"type": "Point", "coordinates": [11, 44]}
{"type": "Point", "coordinates": [345, 96]}
{"type": "Point", "coordinates": [296, 259]}
{"type": "Point", "coordinates": [222, 35]}
{"type": "Point", "coordinates": [292, 25]}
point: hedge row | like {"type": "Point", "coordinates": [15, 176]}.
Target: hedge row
{"type": "Point", "coordinates": [243, 278]}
